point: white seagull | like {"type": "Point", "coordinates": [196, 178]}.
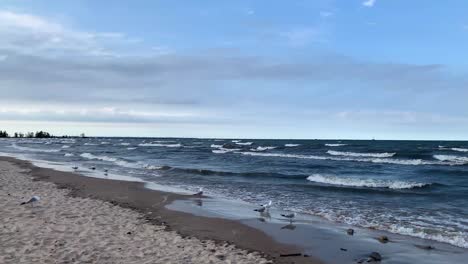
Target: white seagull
{"type": "Point", "coordinates": [264, 207]}
{"type": "Point", "coordinates": [289, 216]}
{"type": "Point", "coordinates": [200, 192]}
{"type": "Point", "coordinates": [32, 200]}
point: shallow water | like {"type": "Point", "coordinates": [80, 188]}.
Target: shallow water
{"type": "Point", "coordinates": [412, 188]}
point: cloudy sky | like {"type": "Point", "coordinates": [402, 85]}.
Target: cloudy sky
{"type": "Point", "coordinates": [384, 69]}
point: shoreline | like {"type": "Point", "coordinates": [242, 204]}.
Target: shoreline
{"type": "Point", "coordinates": [151, 204]}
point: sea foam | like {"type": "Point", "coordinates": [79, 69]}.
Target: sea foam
{"type": "Point", "coordinates": [334, 145]}
{"type": "Point", "coordinates": [370, 183]}
{"type": "Point", "coordinates": [34, 149]}
{"type": "Point", "coordinates": [355, 154]}
{"type": "Point", "coordinates": [178, 145]}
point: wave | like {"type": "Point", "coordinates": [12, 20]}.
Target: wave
{"type": "Point", "coordinates": [208, 172]}
{"type": "Point", "coordinates": [260, 148]}
{"type": "Point", "coordinates": [69, 155]}
{"type": "Point", "coordinates": [216, 146]}
{"type": "Point", "coordinates": [335, 145]}
{"type": "Point", "coordinates": [124, 144]}
{"type": "Point", "coordinates": [452, 158]}
{"type": "Point", "coordinates": [105, 142]}
{"type": "Point", "coordinates": [118, 162]}
{"type": "Point", "coordinates": [90, 144]}
{"type": "Point", "coordinates": [224, 150]}
{"type": "Point", "coordinates": [244, 143]}
{"type": "Point", "coordinates": [178, 145]}
{"type": "Point", "coordinates": [93, 157]}
{"type": "Point", "coordinates": [65, 146]}
{"type": "Point", "coordinates": [343, 158]}
{"type": "Point", "coordinates": [460, 149]}
{"type": "Point", "coordinates": [34, 149]}
{"type": "Point", "coordinates": [131, 148]}
{"type": "Point", "coordinates": [235, 141]}
{"type": "Point", "coordinates": [370, 183]}
{"type": "Point", "coordinates": [291, 145]}
{"type": "Point", "coordinates": [355, 154]}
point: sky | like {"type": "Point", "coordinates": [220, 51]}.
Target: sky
{"type": "Point", "coordinates": [354, 69]}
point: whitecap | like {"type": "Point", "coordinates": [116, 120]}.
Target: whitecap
{"type": "Point", "coordinates": [33, 149]}
{"type": "Point", "coordinates": [452, 158]}
{"type": "Point", "coordinates": [344, 158]}
{"type": "Point", "coordinates": [216, 146]}
{"type": "Point", "coordinates": [355, 154]}
{"type": "Point", "coordinates": [116, 161]}
{"type": "Point", "coordinates": [291, 145]}
{"type": "Point", "coordinates": [244, 143]}
{"type": "Point", "coordinates": [224, 150]}
{"type": "Point", "coordinates": [124, 144]}
{"type": "Point", "coordinates": [65, 146]}
{"type": "Point", "coordinates": [178, 145]}
{"type": "Point", "coordinates": [103, 158]}
{"type": "Point", "coordinates": [131, 148]}
{"type": "Point", "coordinates": [260, 148]}
{"type": "Point", "coordinates": [370, 183]}
{"type": "Point", "coordinates": [69, 155]}
{"type": "Point", "coordinates": [334, 145]}
{"type": "Point", "coordinates": [460, 149]}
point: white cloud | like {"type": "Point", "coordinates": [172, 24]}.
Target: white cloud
{"type": "Point", "coordinates": [369, 3]}
{"type": "Point", "coordinates": [301, 36]}
{"type": "Point", "coordinates": [30, 34]}
{"type": "Point", "coordinates": [326, 14]}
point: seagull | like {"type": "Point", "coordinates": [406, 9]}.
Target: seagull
{"type": "Point", "coordinates": [261, 209]}
{"type": "Point", "coordinates": [289, 216]}
{"type": "Point", "coordinates": [32, 200]}
{"type": "Point", "coordinates": [93, 168]}
{"type": "Point", "coordinates": [75, 168]}
{"type": "Point", "coordinates": [106, 170]}
{"type": "Point", "coordinates": [199, 193]}
{"type": "Point", "coordinates": [267, 205]}
{"type": "Point", "coordinates": [264, 207]}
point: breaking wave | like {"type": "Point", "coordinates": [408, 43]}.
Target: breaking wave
{"type": "Point", "coordinates": [120, 162]}
{"type": "Point", "coordinates": [335, 145]}
{"type": "Point", "coordinates": [178, 145]}
{"type": "Point", "coordinates": [344, 158]}
{"type": "Point", "coordinates": [460, 149]}
{"type": "Point", "coordinates": [452, 158]}
{"type": "Point", "coordinates": [291, 145]}
{"type": "Point", "coordinates": [355, 154]}
{"type": "Point", "coordinates": [244, 143]}
{"type": "Point", "coordinates": [260, 148]}
{"type": "Point", "coordinates": [370, 183]}
{"type": "Point", "coordinates": [34, 149]}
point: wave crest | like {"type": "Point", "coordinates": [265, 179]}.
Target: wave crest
{"type": "Point", "coordinates": [369, 183]}
{"type": "Point", "coordinates": [452, 158]}
{"type": "Point", "coordinates": [33, 149]}
{"type": "Point", "coordinates": [178, 145]}
{"type": "Point", "coordinates": [356, 154]}
{"type": "Point", "coordinates": [335, 145]}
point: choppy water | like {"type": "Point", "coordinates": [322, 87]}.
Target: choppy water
{"type": "Point", "coordinates": [412, 188]}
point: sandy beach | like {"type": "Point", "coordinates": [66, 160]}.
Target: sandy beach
{"type": "Point", "coordinates": [88, 220]}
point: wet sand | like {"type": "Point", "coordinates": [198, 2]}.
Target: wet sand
{"type": "Point", "coordinates": [83, 219]}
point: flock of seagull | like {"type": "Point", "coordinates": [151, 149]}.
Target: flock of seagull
{"type": "Point", "coordinates": [264, 208]}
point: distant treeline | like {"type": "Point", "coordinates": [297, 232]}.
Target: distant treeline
{"type": "Point", "coordinates": [38, 134]}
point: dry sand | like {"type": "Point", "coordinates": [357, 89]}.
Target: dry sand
{"type": "Point", "coordinates": [65, 229]}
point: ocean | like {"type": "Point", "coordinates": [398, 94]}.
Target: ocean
{"type": "Point", "coordinates": [412, 188]}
